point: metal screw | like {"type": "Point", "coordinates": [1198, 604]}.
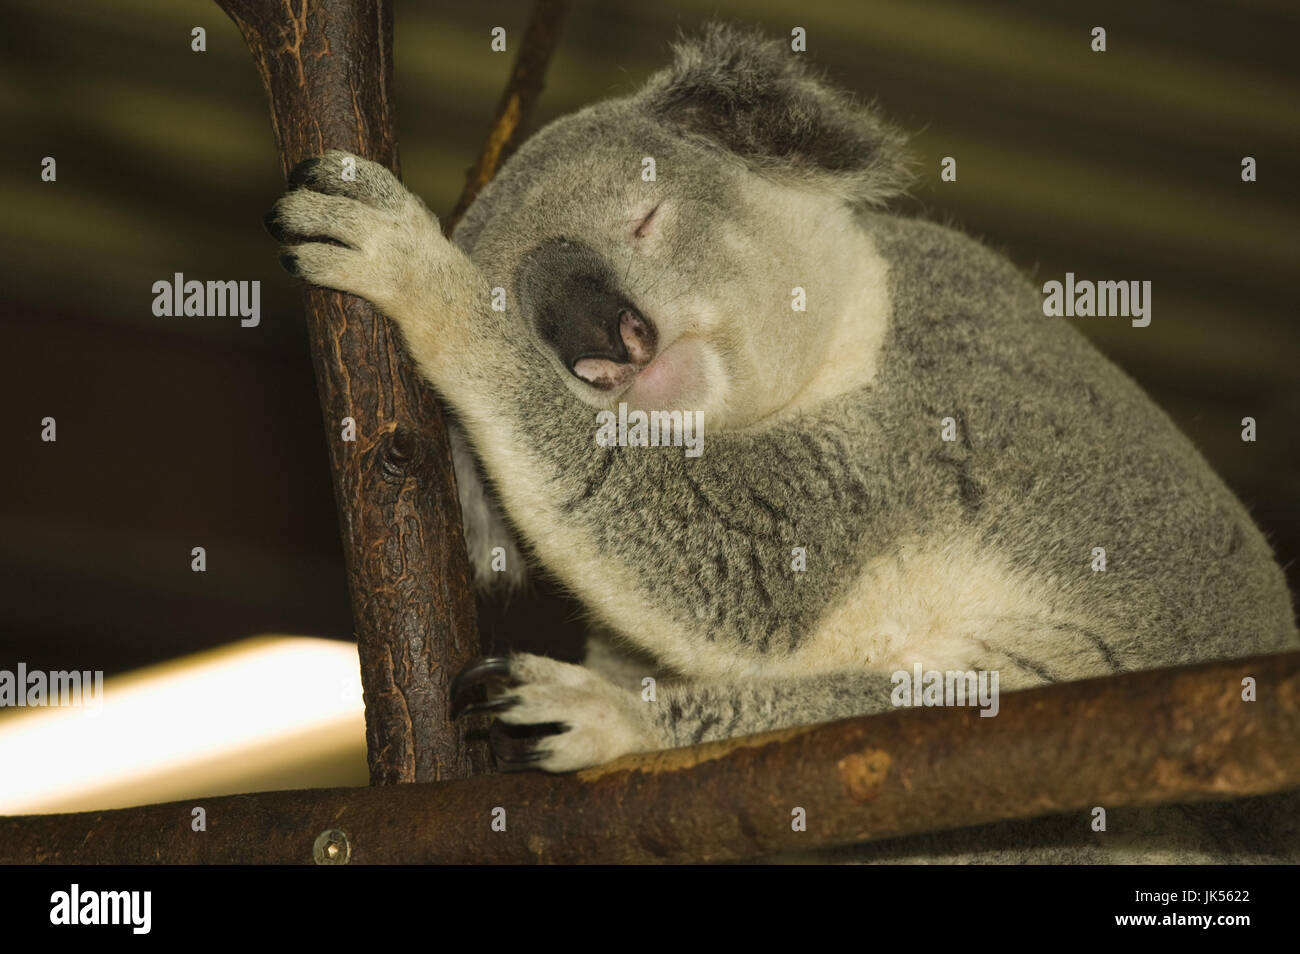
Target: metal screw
{"type": "Point", "coordinates": [332, 848]}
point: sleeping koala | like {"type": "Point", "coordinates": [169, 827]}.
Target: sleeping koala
{"type": "Point", "coordinates": [914, 468]}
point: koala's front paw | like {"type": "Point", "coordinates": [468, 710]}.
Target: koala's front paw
{"type": "Point", "coordinates": [551, 715]}
{"type": "Point", "coordinates": [349, 224]}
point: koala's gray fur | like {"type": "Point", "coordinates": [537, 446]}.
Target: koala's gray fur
{"type": "Point", "coordinates": [823, 432]}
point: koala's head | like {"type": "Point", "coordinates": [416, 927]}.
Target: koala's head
{"type": "Point", "coordinates": [651, 245]}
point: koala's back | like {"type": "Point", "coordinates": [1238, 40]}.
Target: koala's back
{"type": "Point", "coordinates": [1058, 452]}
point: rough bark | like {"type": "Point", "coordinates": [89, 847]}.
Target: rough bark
{"type": "Point", "coordinates": [1161, 737]}
{"type": "Point", "coordinates": [327, 69]}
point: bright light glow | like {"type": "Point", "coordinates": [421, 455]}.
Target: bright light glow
{"type": "Point", "coordinates": [250, 716]}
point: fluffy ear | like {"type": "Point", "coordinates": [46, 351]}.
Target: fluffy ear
{"type": "Point", "coordinates": [755, 97]}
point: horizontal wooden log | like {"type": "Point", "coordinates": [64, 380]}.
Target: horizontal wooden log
{"type": "Point", "coordinates": [1160, 737]}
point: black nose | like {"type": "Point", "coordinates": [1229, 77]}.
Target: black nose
{"type": "Point", "coordinates": [572, 296]}
{"type": "Point", "coordinates": [582, 321]}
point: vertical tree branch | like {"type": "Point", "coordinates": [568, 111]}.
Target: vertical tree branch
{"type": "Point", "coordinates": [521, 92]}
{"type": "Point", "coordinates": [327, 69]}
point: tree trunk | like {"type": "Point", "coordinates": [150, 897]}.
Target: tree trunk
{"type": "Point", "coordinates": [327, 68]}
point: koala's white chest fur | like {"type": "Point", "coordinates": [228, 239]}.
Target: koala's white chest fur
{"type": "Point", "coordinates": [855, 278]}
{"type": "Point", "coordinates": [947, 604]}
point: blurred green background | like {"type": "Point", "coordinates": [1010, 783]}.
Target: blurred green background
{"type": "Point", "coordinates": [175, 433]}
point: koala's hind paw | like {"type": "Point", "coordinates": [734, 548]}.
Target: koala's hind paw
{"type": "Point", "coordinates": [349, 224]}
{"type": "Point", "coordinates": [551, 715]}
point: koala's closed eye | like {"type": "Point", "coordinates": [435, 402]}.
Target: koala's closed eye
{"type": "Point", "coordinates": [644, 228]}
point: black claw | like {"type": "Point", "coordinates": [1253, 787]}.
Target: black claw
{"type": "Point", "coordinates": [474, 675]}
{"type": "Point", "coordinates": [493, 705]}
{"type": "Point", "coordinates": [515, 747]}
{"type": "Point", "coordinates": [304, 172]}
{"type": "Point", "coordinates": [543, 729]}
{"type": "Point", "coordinates": [290, 262]}
{"type": "Point", "coordinates": [479, 671]}
{"type": "Point", "coordinates": [273, 225]}
{"type": "Point", "coordinates": [511, 738]}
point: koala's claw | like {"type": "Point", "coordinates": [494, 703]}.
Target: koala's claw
{"type": "Point", "coordinates": [320, 173]}
{"type": "Point", "coordinates": [480, 670]}
{"type": "Point", "coordinates": [494, 705]}
{"type": "Point", "coordinates": [518, 751]}
{"type": "Point", "coordinates": [550, 715]}
{"type": "Point", "coordinates": [274, 225]}
{"type": "Point", "coordinates": [478, 674]}
{"type": "Point", "coordinates": [306, 171]}
{"type": "Point", "coordinates": [339, 173]}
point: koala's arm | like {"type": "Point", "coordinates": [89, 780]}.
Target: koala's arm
{"type": "Point", "coordinates": [392, 253]}
{"type": "Point", "coordinates": [559, 717]}
{"type": "Point", "coordinates": [686, 712]}
{"type": "Point", "coordinates": [690, 713]}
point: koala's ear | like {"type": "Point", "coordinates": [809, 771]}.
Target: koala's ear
{"type": "Point", "coordinates": [755, 97]}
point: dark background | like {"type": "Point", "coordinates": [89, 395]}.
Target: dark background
{"type": "Point", "coordinates": [183, 432]}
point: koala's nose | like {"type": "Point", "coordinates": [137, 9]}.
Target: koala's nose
{"type": "Point", "coordinates": [600, 338]}
{"type": "Point", "coordinates": [587, 333]}
{"type": "Point", "coordinates": [637, 337]}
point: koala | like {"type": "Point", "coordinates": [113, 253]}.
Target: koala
{"type": "Point", "coordinates": [913, 468]}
